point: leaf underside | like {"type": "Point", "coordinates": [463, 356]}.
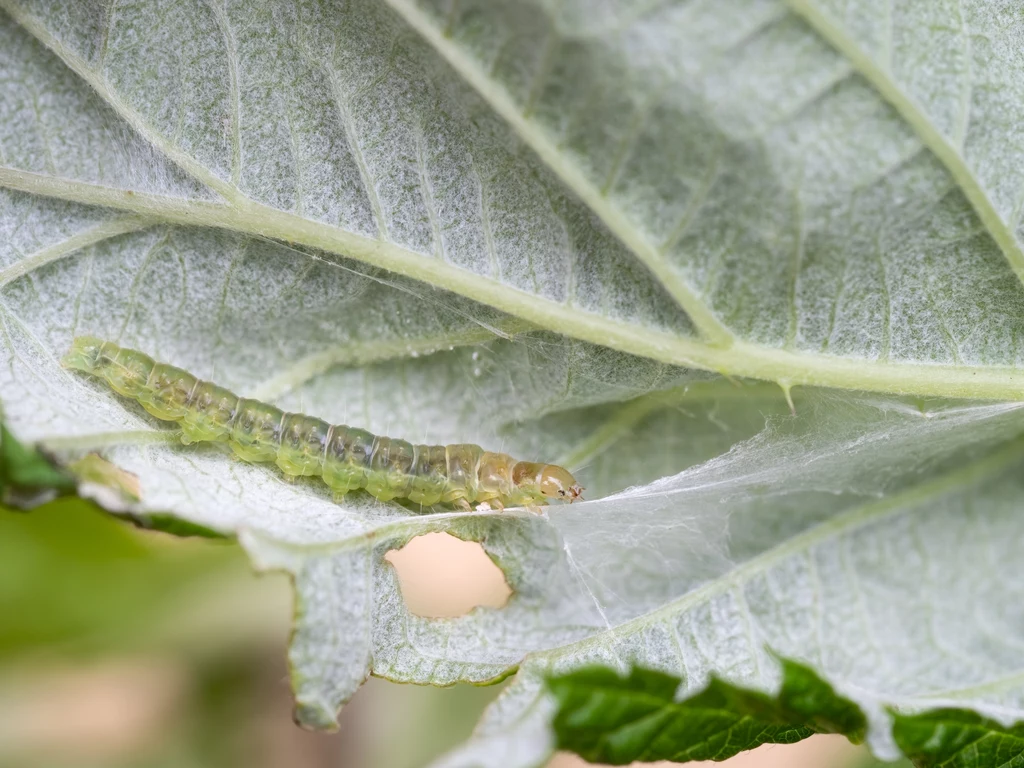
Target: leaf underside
{"type": "Point", "coordinates": [608, 235]}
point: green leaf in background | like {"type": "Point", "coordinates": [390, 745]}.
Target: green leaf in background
{"type": "Point", "coordinates": [958, 739]}
{"type": "Point", "coordinates": [84, 595]}
{"type": "Point", "coordinates": [608, 718]}
{"type": "Point", "coordinates": [548, 229]}
{"type": "Point", "coordinates": [73, 576]}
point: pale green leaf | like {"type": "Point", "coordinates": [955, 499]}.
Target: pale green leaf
{"type": "Point", "coordinates": [546, 227]}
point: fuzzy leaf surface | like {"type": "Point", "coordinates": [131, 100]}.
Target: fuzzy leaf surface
{"type": "Point", "coordinates": [548, 228]}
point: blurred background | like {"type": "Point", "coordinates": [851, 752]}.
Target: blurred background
{"type": "Point", "coordinates": [124, 648]}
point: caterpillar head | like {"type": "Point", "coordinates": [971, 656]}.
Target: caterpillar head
{"type": "Point", "coordinates": [547, 480]}
{"type": "Point", "coordinates": [84, 354]}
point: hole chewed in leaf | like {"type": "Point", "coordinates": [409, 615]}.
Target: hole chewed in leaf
{"type": "Point", "coordinates": [442, 576]}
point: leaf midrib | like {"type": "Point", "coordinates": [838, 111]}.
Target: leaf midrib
{"type": "Point", "coordinates": [739, 358]}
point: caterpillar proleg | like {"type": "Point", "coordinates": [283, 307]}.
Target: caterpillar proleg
{"type": "Point", "coordinates": [346, 458]}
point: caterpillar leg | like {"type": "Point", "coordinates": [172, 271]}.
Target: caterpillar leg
{"type": "Point", "coordinates": [380, 491]}
{"type": "Point", "coordinates": [189, 436]}
{"type": "Point", "coordinates": [425, 498]}
{"type": "Point", "coordinates": [341, 484]}
{"type": "Point", "coordinates": [253, 452]}
{"type": "Point", "coordinates": [462, 505]}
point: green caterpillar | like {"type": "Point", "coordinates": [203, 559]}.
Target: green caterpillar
{"type": "Point", "coordinates": [346, 458]}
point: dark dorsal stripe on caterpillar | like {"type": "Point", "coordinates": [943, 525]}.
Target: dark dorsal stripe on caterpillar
{"type": "Point", "coordinates": [346, 458]}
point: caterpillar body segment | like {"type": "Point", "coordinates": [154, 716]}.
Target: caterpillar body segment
{"type": "Point", "coordinates": [346, 458]}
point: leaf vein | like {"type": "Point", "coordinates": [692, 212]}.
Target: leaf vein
{"type": "Point", "coordinates": [945, 150]}
{"type": "Point", "coordinates": [616, 220]}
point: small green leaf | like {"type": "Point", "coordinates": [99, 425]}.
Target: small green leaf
{"type": "Point", "coordinates": [957, 738]}
{"type": "Point", "coordinates": [612, 719]}
{"type": "Point", "coordinates": [27, 477]}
